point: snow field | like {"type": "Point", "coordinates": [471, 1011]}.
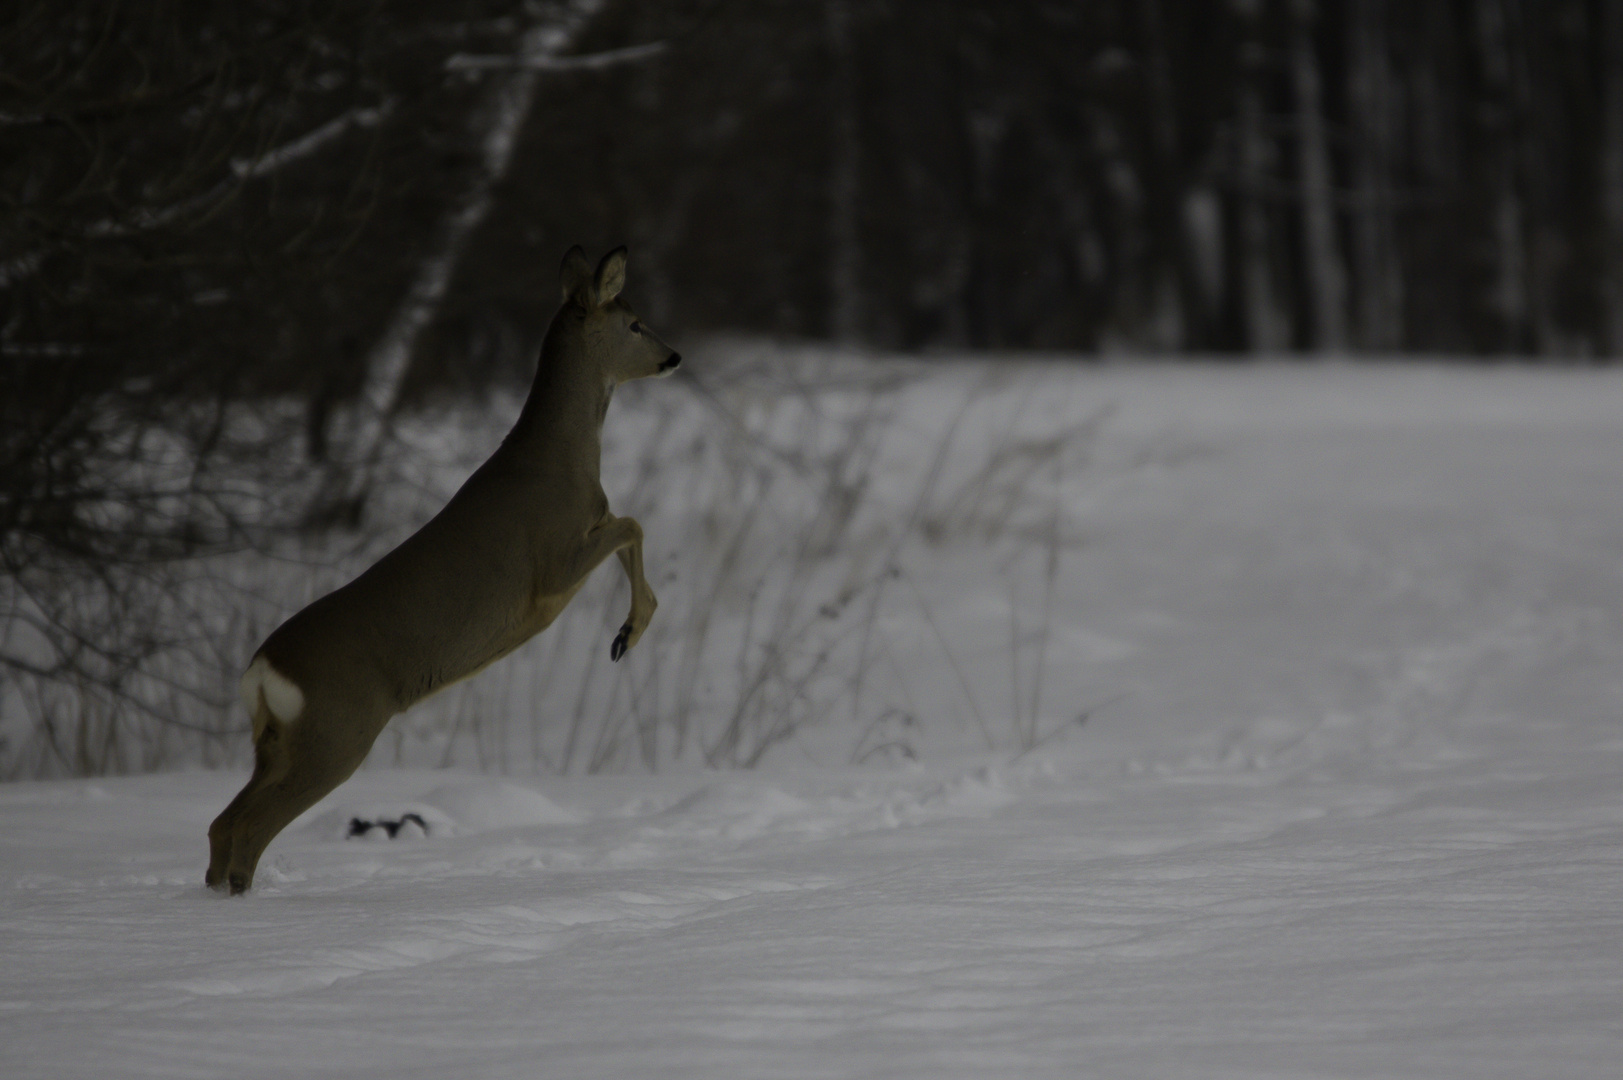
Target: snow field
{"type": "Point", "coordinates": [1450, 917]}
{"type": "Point", "coordinates": [1345, 803]}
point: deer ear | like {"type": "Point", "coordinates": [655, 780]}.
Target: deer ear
{"type": "Point", "coordinates": [611, 276]}
{"type": "Point", "coordinates": [575, 276]}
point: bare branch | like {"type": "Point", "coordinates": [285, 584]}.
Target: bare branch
{"type": "Point", "coordinates": [307, 144]}
{"type": "Point", "coordinates": [146, 219]}
{"type": "Point", "coordinates": [540, 61]}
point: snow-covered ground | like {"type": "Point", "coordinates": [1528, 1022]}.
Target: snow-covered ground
{"type": "Point", "coordinates": [1346, 802]}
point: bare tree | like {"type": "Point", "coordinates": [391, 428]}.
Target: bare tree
{"type": "Point", "coordinates": [495, 127]}
{"type": "Point", "coordinates": [845, 168]}
{"type": "Point", "coordinates": [1375, 252]}
{"type": "Point", "coordinates": [1321, 251]}
{"type": "Point", "coordinates": [135, 148]}
{"type": "Point", "coordinates": [1265, 327]}
{"type": "Point", "coordinates": [180, 203]}
{"type": "Point", "coordinates": [1508, 297]}
{"type": "Point", "coordinates": [1175, 297]}
{"type": "Point", "coordinates": [1611, 177]}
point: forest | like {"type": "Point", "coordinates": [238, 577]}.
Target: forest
{"type": "Point", "coordinates": [262, 184]}
{"type": "Point", "coordinates": [357, 210]}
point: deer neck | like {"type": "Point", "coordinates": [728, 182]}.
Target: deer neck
{"type": "Point", "coordinates": [561, 425]}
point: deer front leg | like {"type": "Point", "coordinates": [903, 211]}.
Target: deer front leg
{"type": "Point", "coordinates": [643, 602]}
{"type": "Point", "coordinates": [621, 536]}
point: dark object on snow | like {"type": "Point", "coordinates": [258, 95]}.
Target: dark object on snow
{"type": "Point", "coordinates": [360, 826]}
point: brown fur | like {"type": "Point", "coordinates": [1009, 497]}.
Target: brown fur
{"type": "Point", "coordinates": [491, 570]}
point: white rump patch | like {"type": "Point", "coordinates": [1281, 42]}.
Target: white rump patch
{"type": "Point", "coordinates": [282, 696]}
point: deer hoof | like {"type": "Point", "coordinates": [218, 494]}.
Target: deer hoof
{"type": "Point", "coordinates": [622, 642]}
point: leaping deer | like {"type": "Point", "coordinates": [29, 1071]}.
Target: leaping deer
{"type": "Point", "coordinates": [491, 570]}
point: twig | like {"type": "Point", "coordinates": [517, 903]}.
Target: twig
{"type": "Point", "coordinates": [1081, 718]}
{"type": "Point", "coordinates": [630, 54]}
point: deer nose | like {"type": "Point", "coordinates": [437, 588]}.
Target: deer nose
{"type": "Point", "coordinates": [672, 362]}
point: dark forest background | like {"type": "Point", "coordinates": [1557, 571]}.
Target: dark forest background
{"type": "Point", "coordinates": [348, 209]}
{"type": "Point", "coordinates": [245, 193]}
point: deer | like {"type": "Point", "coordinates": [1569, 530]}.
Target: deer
{"type": "Point", "coordinates": [492, 569]}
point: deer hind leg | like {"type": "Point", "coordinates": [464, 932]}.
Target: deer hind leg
{"type": "Point", "coordinates": [267, 812]}
{"type": "Point", "coordinates": [294, 776]}
{"type": "Point", "coordinates": [270, 765]}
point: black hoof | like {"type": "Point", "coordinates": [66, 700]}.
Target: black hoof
{"type": "Point", "coordinates": [239, 882]}
{"type": "Point", "coordinates": [618, 649]}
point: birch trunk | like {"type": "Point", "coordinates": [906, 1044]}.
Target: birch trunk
{"type": "Point", "coordinates": [1375, 257]}
{"type": "Point", "coordinates": [1611, 164]}
{"type": "Point", "coordinates": [1266, 328]}
{"type": "Point", "coordinates": [1326, 276]}
{"type": "Point", "coordinates": [1180, 308]}
{"type": "Point", "coordinates": [1508, 297]}
{"type": "Point", "coordinates": [498, 123]}
{"type": "Point", "coordinates": [845, 163]}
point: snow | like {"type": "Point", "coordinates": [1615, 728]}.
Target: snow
{"type": "Point", "coordinates": [1348, 642]}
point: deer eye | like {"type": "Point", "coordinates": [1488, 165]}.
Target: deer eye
{"type": "Point", "coordinates": [636, 327]}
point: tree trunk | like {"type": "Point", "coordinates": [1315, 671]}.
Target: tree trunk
{"type": "Point", "coordinates": [1532, 163]}
{"type": "Point", "coordinates": [1508, 296]}
{"type": "Point", "coordinates": [1375, 256]}
{"type": "Point", "coordinates": [1611, 166]}
{"type": "Point", "coordinates": [1180, 310]}
{"type": "Point", "coordinates": [845, 163]}
{"type": "Point", "coordinates": [498, 122]}
{"type": "Point", "coordinates": [1266, 328]}
{"type": "Point", "coordinates": [1326, 276]}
